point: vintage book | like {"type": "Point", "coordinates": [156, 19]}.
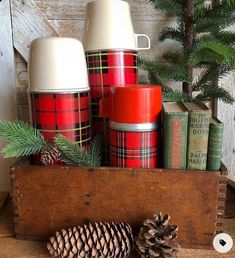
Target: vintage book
{"type": "Point", "coordinates": [175, 135]}
{"type": "Point", "coordinates": [198, 134]}
{"type": "Point", "coordinates": [215, 144]}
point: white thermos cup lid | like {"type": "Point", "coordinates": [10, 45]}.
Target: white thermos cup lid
{"type": "Point", "coordinates": [57, 64]}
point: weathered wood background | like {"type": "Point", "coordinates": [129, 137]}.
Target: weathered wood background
{"type": "Point", "coordinates": [7, 81]}
{"type": "Point", "coordinates": [37, 18]}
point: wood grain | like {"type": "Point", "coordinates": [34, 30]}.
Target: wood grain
{"type": "Point", "coordinates": [6, 221]}
{"type": "Point", "coordinates": [3, 197]}
{"type": "Point", "coordinates": [226, 113]}
{"type": "Point", "coordinates": [46, 199]}
{"type": "Point", "coordinates": [7, 82]}
{"type": "Point", "coordinates": [73, 9]}
{"type": "Point", "coordinates": [28, 23]}
{"type": "Point", "coordinates": [33, 249]}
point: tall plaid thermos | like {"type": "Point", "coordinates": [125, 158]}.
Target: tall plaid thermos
{"type": "Point", "coordinates": [111, 52]}
{"type": "Point", "coordinates": [59, 90]}
{"type": "Point", "coordinates": [134, 113]}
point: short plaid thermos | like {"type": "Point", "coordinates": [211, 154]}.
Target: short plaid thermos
{"type": "Point", "coordinates": [111, 52]}
{"type": "Point", "coordinates": [59, 90]}
{"type": "Point", "coordinates": [134, 112]}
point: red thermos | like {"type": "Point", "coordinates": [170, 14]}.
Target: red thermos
{"type": "Point", "coordinates": [59, 90]}
{"type": "Point", "coordinates": [111, 47]}
{"type": "Point", "coordinates": [134, 112]}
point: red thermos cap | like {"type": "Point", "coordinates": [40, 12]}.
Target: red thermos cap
{"type": "Point", "coordinates": [133, 104]}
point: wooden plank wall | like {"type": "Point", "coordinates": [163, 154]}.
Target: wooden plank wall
{"type": "Point", "coordinates": [67, 17]}
{"type": "Point", "coordinates": [7, 82]}
{"type": "Point", "coordinates": [226, 114]}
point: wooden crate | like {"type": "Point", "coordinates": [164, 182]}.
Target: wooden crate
{"type": "Point", "coordinates": [46, 199]}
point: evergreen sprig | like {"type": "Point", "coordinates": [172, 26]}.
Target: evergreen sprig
{"type": "Point", "coordinates": [205, 43]}
{"type": "Point", "coordinates": [175, 96]}
{"type": "Point", "coordinates": [23, 139]}
{"type": "Point", "coordinates": [76, 155]}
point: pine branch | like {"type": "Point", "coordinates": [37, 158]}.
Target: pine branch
{"type": "Point", "coordinates": [211, 74]}
{"type": "Point", "coordinates": [24, 139]}
{"type": "Point", "coordinates": [164, 72]}
{"type": "Point", "coordinates": [222, 52]}
{"type": "Point", "coordinates": [188, 17]}
{"type": "Point", "coordinates": [175, 96]}
{"type": "Point", "coordinates": [172, 33]}
{"type": "Point", "coordinates": [176, 58]}
{"type": "Point", "coordinates": [154, 79]}
{"type": "Point", "coordinates": [212, 92]}
{"type": "Point", "coordinates": [212, 19]}
{"type": "Point", "coordinates": [75, 155]}
{"type": "Point", "coordinates": [95, 151]}
{"type": "Point", "coordinates": [226, 37]}
{"type": "Point", "coordinates": [172, 7]}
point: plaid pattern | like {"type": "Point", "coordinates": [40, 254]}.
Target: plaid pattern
{"type": "Point", "coordinates": [134, 149]}
{"type": "Point", "coordinates": [106, 69]}
{"type": "Point", "coordinates": [67, 114]}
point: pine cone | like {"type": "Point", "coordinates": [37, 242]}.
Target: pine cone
{"type": "Point", "coordinates": [50, 154]}
{"type": "Point", "coordinates": [92, 241]}
{"type": "Point", "coordinates": [157, 238]}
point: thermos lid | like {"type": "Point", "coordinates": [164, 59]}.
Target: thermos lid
{"type": "Point", "coordinates": [108, 25]}
{"type": "Point", "coordinates": [57, 64]}
{"type": "Point", "coordinates": [134, 104]}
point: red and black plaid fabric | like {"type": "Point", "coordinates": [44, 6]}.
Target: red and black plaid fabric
{"type": "Point", "coordinates": [106, 69]}
{"type": "Point", "coordinates": [67, 114]}
{"type": "Point", "coordinates": [134, 149]}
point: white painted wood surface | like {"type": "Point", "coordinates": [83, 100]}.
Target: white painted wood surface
{"type": "Point", "coordinates": [7, 82]}
{"type": "Point", "coordinates": [28, 23]}
{"type": "Point", "coordinates": [226, 114]}
{"type": "Point", "coordinates": [74, 9]}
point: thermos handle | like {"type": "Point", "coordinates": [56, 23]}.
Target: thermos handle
{"type": "Point", "coordinates": [143, 36]}
{"type": "Point", "coordinates": [104, 108]}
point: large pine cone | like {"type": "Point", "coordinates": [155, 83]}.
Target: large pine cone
{"type": "Point", "coordinates": [157, 238]}
{"type": "Point", "coordinates": [50, 154]}
{"type": "Point", "coordinates": [92, 241]}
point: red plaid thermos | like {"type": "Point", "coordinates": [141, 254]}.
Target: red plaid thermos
{"type": "Point", "coordinates": [111, 52]}
{"type": "Point", "coordinates": [134, 113]}
{"type": "Point", "coordinates": [59, 90]}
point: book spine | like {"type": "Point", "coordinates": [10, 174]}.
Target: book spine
{"type": "Point", "coordinates": [198, 139]}
{"type": "Point", "coordinates": [215, 146]}
{"type": "Point", "coordinates": [175, 140]}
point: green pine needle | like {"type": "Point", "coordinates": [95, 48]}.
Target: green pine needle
{"type": "Point", "coordinates": [220, 51]}
{"type": "Point", "coordinates": [75, 155]}
{"type": "Point", "coordinates": [172, 33]}
{"type": "Point", "coordinates": [163, 71]}
{"type": "Point", "coordinates": [172, 7]}
{"type": "Point", "coordinates": [95, 151]}
{"type": "Point", "coordinates": [175, 96]}
{"type": "Point", "coordinates": [212, 92]}
{"type": "Point", "coordinates": [24, 139]}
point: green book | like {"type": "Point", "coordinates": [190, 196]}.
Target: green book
{"type": "Point", "coordinates": [175, 135]}
{"type": "Point", "coordinates": [215, 144]}
{"type": "Point", "coordinates": [198, 134]}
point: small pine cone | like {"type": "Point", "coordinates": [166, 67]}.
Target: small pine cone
{"type": "Point", "coordinates": [157, 238]}
{"type": "Point", "coordinates": [96, 240]}
{"type": "Point", "coordinates": [50, 154]}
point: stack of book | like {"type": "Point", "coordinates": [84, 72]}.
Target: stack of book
{"type": "Point", "coordinates": [192, 137]}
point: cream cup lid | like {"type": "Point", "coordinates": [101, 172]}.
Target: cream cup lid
{"type": "Point", "coordinates": [57, 64]}
{"type": "Point", "coordinates": [108, 25]}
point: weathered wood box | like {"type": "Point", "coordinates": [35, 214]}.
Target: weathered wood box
{"type": "Point", "coordinates": [46, 199]}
